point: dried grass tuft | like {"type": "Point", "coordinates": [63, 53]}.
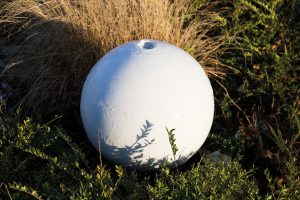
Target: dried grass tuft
{"type": "Point", "coordinates": [62, 39]}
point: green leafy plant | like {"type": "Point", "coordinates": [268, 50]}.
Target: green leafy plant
{"type": "Point", "coordinates": [286, 187]}
{"type": "Point", "coordinates": [172, 141]}
{"type": "Point", "coordinates": [205, 181]}
{"type": "Point", "coordinates": [42, 161]}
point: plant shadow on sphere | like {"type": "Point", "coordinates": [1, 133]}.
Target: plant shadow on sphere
{"type": "Point", "coordinates": [131, 154]}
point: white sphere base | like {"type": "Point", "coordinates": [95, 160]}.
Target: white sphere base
{"type": "Point", "coordinates": [137, 90]}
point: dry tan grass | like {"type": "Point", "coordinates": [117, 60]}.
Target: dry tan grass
{"type": "Point", "coordinates": [62, 39]}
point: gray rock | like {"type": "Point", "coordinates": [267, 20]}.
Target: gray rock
{"type": "Point", "coordinates": [237, 135]}
{"type": "Point", "coordinates": [218, 157]}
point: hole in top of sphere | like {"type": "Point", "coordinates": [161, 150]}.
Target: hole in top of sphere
{"type": "Point", "coordinates": [147, 44]}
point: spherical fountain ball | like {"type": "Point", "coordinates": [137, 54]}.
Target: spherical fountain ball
{"type": "Point", "coordinates": [136, 91]}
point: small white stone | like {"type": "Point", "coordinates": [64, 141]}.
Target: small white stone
{"type": "Point", "coordinates": [137, 90]}
{"type": "Point", "coordinates": [218, 157]}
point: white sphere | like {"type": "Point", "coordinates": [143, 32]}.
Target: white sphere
{"type": "Point", "coordinates": [137, 90]}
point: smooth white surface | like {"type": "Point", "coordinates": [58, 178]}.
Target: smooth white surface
{"type": "Point", "coordinates": [137, 90]}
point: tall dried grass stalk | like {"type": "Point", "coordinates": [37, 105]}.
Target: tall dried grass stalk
{"type": "Point", "coordinates": [62, 39]}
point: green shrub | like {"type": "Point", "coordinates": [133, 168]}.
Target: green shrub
{"type": "Point", "coordinates": [39, 161]}
{"type": "Point", "coordinates": [287, 187]}
{"type": "Point", "coordinates": [259, 101]}
{"type": "Point", "coordinates": [206, 181]}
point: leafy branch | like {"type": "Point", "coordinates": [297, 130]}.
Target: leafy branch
{"type": "Point", "coordinates": [172, 141]}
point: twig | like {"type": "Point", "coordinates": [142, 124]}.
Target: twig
{"type": "Point", "coordinates": [227, 94]}
{"type": "Point", "coordinates": [99, 147]}
{"type": "Point", "coordinates": [9, 195]}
